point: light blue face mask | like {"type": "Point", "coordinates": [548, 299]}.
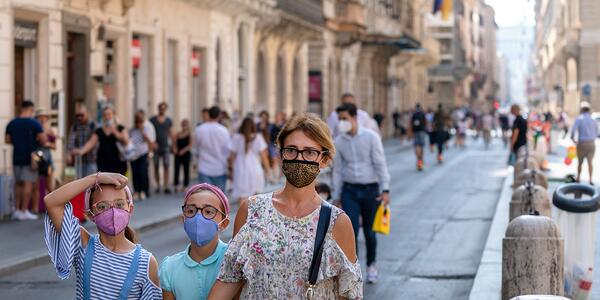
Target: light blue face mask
{"type": "Point", "coordinates": [200, 230]}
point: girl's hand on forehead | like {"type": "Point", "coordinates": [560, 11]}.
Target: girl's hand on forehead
{"type": "Point", "coordinates": [118, 180]}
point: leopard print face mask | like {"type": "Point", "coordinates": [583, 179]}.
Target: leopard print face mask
{"type": "Point", "coordinates": [300, 173]}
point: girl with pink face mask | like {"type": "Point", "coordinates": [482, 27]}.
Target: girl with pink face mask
{"type": "Point", "coordinates": [108, 265]}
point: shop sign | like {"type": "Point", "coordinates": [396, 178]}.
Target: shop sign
{"type": "Point", "coordinates": [25, 34]}
{"type": "Point", "coordinates": [195, 63]}
{"type": "Point", "coordinates": [136, 53]}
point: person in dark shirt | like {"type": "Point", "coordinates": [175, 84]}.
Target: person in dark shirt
{"type": "Point", "coordinates": [418, 124]}
{"type": "Point", "coordinates": [106, 138]}
{"type": "Point", "coordinates": [25, 134]}
{"type": "Point", "coordinates": [163, 146]}
{"type": "Point", "coordinates": [519, 131]}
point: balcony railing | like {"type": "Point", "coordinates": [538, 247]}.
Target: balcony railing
{"type": "Point", "coordinates": [349, 16]}
{"type": "Point", "coordinates": [308, 10]}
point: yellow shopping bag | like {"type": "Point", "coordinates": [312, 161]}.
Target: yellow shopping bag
{"type": "Point", "coordinates": [382, 220]}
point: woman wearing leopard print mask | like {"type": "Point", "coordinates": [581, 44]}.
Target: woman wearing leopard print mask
{"type": "Point", "coordinates": [274, 234]}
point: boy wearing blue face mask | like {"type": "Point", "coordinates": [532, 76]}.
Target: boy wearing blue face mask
{"type": "Point", "coordinates": [190, 274]}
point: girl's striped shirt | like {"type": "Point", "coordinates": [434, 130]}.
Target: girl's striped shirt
{"type": "Point", "coordinates": [109, 269]}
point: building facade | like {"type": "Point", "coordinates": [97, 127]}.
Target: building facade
{"type": "Point", "coordinates": [245, 56]}
{"type": "Point", "coordinates": [567, 55]}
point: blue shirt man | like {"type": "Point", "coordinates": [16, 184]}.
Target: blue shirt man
{"type": "Point", "coordinates": [360, 178]}
{"type": "Point", "coordinates": [587, 130]}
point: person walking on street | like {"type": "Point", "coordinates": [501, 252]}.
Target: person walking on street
{"type": "Point", "coordinates": [248, 151]}
{"type": "Point", "coordinates": [106, 139]}
{"type": "Point", "coordinates": [504, 127]}
{"type": "Point", "coordinates": [25, 134]}
{"type": "Point", "coordinates": [519, 132]}
{"type": "Point", "coordinates": [418, 125]}
{"type": "Point", "coordinates": [45, 182]}
{"type": "Point", "coordinates": [280, 120]}
{"type": "Point", "coordinates": [360, 178]}
{"type": "Point", "coordinates": [81, 132]}
{"type": "Point", "coordinates": [107, 265]}
{"type": "Point", "coordinates": [183, 155]}
{"type": "Point", "coordinates": [162, 149]}
{"type": "Point", "coordinates": [440, 131]}
{"type": "Point", "coordinates": [364, 120]}
{"type": "Point", "coordinates": [211, 146]}
{"type": "Point", "coordinates": [283, 224]}
{"type": "Point", "coordinates": [586, 130]}
{"type": "Point", "coordinates": [487, 125]}
{"type": "Point", "coordinates": [142, 137]}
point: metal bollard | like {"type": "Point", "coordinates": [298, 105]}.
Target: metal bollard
{"type": "Point", "coordinates": [535, 176]}
{"type": "Point", "coordinates": [532, 258]}
{"type": "Point", "coordinates": [530, 199]}
{"type": "Point", "coordinates": [523, 164]}
{"type": "Point", "coordinates": [539, 297]}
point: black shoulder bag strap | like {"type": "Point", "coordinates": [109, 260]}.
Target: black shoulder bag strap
{"type": "Point", "coordinates": [315, 264]}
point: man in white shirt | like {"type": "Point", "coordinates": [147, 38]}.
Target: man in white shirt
{"type": "Point", "coordinates": [364, 120]}
{"type": "Point", "coordinates": [211, 147]}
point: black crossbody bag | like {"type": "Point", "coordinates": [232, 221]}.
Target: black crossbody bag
{"type": "Point", "coordinates": [315, 264]}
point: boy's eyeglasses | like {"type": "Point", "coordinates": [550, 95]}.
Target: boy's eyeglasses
{"type": "Point", "coordinates": [208, 211]}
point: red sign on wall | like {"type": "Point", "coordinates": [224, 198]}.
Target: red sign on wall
{"type": "Point", "coordinates": [136, 53]}
{"type": "Point", "coordinates": [195, 63]}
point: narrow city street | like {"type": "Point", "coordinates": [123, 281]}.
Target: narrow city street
{"type": "Point", "coordinates": [440, 222]}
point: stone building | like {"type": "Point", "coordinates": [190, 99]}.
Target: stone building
{"type": "Point", "coordinates": [243, 55]}
{"type": "Point", "coordinates": [567, 53]}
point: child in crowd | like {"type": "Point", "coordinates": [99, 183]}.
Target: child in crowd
{"type": "Point", "coordinates": [108, 265]}
{"type": "Point", "coordinates": [190, 274]}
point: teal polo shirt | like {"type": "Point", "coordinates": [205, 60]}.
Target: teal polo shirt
{"type": "Point", "coordinates": [187, 279]}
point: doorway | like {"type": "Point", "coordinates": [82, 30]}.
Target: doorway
{"type": "Point", "coordinates": [76, 83]}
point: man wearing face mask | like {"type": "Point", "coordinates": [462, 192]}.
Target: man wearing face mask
{"type": "Point", "coordinates": [360, 178]}
{"type": "Point", "coordinates": [364, 120]}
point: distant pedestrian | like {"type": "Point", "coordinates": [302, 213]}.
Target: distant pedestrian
{"type": "Point", "coordinates": [81, 132]}
{"type": "Point", "coordinates": [105, 139]}
{"type": "Point", "coordinates": [440, 131]}
{"type": "Point", "coordinates": [586, 130]}
{"type": "Point", "coordinates": [487, 126]}
{"type": "Point", "coordinates": [364, 120]}
{"type": "Point", "coordinates": [282, 226]}
{"type": "Point", "coordinates": [360, 179]}
{"type": "Point", "coordinates": [504, 127]}
{"type": "Point", "coordinates": [45, 182]}
{"type": "Point", "coordinates": [191, 273]}
{"type": "Point", "coordinates": [142, 137]}
{"type": "Point", "coordinates": [379, 118]}
{"type": "Point", "coordinates": [107, 265]}
{"type": "Point", "coordinates": [418, 126]}
{"type": "Point", "coordinates": [249, 160]}
{"type": "Point", "coordinates": [519, 132]}
{"type": "Point", "coordinates": [280, 120]}
{"type": "Point", "coordinates": [162, 149]}
{"type": "Point", "coordinates": [211, 146]}
{"type": "Point", "coordinates": [461, 132]}
{"type": "Point", "coordinates": [265, 128]}
{"type": "Point", "coordinates": [399, 129]}
{"type": "Point", "coordinates": [183, 155]}
{"type": "Point", "coordinates": [429, 128]}
{"type": "Point", "coordinates": [25, 134]}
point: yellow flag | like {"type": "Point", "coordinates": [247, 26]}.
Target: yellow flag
{"type": "Point", "coordinates": [381, 224]}
{"type": "Point", "coordinates": [446, 9]}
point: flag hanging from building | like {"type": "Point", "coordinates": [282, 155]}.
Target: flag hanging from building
{"type": "Point", "coordinates": [445, 6]}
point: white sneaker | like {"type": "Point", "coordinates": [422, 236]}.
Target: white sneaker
{"type": "Point", "coordinates": [17, 215]}
{"type": "Point", "coordinates": [27, 215]}
{"type": "Point", "coordinates": [372, 274]}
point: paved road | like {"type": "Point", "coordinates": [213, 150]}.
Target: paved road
{"type": "Point", "coordinates": [441, 218]}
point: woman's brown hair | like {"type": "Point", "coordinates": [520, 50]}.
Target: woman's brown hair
{"type": "Point", "coordinates": [314, 128]}
{"type": "Point", "coordinates": [130, 234]}
{"type": "Point", "coordinates": [248, 130]}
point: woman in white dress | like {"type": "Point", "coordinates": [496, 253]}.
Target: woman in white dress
{"type": "Point", "coordinates": [248, 150]}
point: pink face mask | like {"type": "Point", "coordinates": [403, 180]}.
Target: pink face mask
{"type": "Point", "coordinates": [112, 221]}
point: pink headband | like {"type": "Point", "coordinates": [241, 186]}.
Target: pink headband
{"type": "Point", "coordinates": [211, 188]}
{"type": "Point", "coordinates": [88, 194]}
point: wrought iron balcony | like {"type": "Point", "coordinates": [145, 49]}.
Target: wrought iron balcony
{"type": "Point", "coordinates": [307, 10]}
{"type": "Point", "coordinates": [237, 6]}
{"type": "Point", "coordinates": [349, 17]}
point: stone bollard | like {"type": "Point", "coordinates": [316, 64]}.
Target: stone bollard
{"type": "Point", "coordinates": [536, 155]}
{"type": "Point", "coordinates": [539, 297]}
{"type": "Point", "coordinates": [535, 176]}
{"type": "Point", "coordinates": [523, 164]}
{"type": "Point", "coordinates": [532, 258]}
{"type": "Point", "coordinates": [530, 198]}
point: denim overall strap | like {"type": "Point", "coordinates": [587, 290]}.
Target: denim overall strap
{"type": "Point", "coordinates": [133, 268]}
{"type": "Point", "coordinates": [87, 267]}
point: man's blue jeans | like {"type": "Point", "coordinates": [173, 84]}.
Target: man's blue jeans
{"type": "Point", "coordinates": [218, 181]}
{"type": "Point", "coordinates": [361, 200]}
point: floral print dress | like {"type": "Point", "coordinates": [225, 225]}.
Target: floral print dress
{"type": "Point", "coordinates": [272, 253]}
